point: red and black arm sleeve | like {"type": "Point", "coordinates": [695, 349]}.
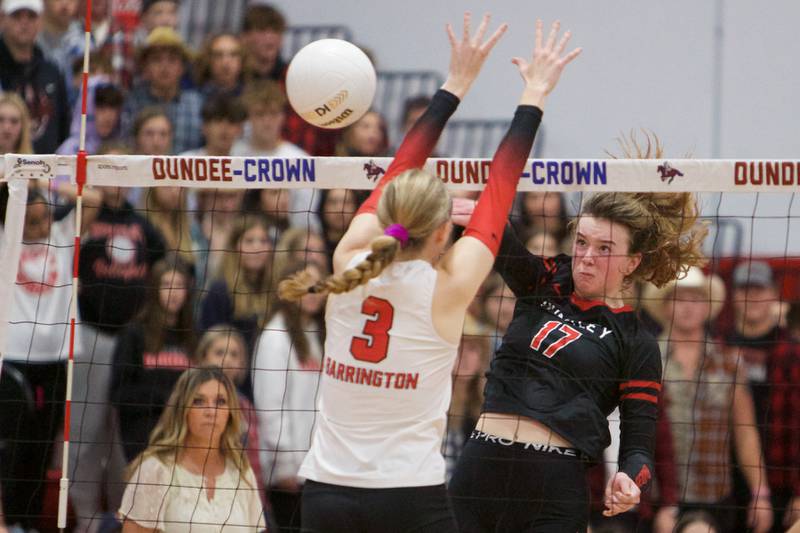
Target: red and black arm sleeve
{"type": "Point", "coordinates": [489, 218]}
{"type": "Point", "coordinates": [639, 392]}
{"type": "Point", "coordinates": [417, 145]}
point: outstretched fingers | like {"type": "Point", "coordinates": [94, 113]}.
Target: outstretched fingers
{"type": "Point", "coordinates": [451, 35]}
{"type": "Point", "coordinates": [467, 54]}
{"type": "Point", "coordinates": [570, 56]}
{"type": "Point", "coordinates": [542, 71]}
{"type": "Point", "coordinates": [488, 45]}
{"type": "Point", "coordinates": [482, 29]}
{"type": "Point", "coordinates": [562, 44]}
{"type": "Point", "coordinates": [551, 39]}
{"type": "Point", "coordinates": [539, 27]}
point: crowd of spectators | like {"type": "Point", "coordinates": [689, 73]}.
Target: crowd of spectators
{"type": "Point", "coordinates": [172, 280]}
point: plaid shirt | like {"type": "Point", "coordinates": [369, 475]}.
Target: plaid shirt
{"type": "Point", "coordinates": [315, 141]}
{"type": "Point", "coordinates": [700, 412]}
{"type": "Point", "coordinates": [782, 443]}
{"type": "Point", "coordinates": [183, 111]}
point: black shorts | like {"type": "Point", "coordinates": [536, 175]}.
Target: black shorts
{"type": "Point", "coordinates": [334, 508]}
{"type": "Point", "coordinates": [500, 485]}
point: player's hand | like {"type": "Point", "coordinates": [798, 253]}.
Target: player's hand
{"type": "Point", "coordinates": [622, 494]}
{"type": "Point", "coordinates": [462, 211]}
{"type": "Point", "coordinates": [759, 514]}
{"type": "Point", "coordinates": [468, 53]}
{"type": "Point", "coordinates": [542, 72]}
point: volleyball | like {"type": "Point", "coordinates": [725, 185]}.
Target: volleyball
{"type": "Point", "coordinates": [330, 83]}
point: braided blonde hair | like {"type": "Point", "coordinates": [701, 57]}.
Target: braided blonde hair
{"type": "Point", "coordinates": [415, 199]}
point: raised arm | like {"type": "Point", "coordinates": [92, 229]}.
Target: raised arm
{"type": "Point", "coordinates": [471, 258]}
{"type": "Point", "coordinates": [467, 56]}
{"type": "Point", "coordinates": [520, 269]}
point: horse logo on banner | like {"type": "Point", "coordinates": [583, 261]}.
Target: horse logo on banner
{"type": "Point", "coordinates": [668, 173]}
{"type": "Point", "coordinates": [373, 171]}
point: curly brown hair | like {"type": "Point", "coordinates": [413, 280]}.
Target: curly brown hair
{"type": "Point", "coordinates": [664, 227]}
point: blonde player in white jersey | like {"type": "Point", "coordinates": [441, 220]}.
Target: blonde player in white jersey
{"type": "Point", "coordinates": [396, 312]}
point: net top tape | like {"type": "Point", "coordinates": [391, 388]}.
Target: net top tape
{"type": "Point", "coordinates": [611, 175]}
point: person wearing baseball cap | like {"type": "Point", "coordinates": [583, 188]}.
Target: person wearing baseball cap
{"type": "Point", "coordinates": [753, 274]}
{"type": "Point", "coordinates": [757, 314]}
{"type": "Point", "coordinates": [758, 339]}
{"type": "Point", "coordinates": [12, 6]}
{"type": "Point", "coordinates": [25, 71]}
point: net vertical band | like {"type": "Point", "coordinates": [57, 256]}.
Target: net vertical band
{"type": "Point", "coordinates": [80, 179]}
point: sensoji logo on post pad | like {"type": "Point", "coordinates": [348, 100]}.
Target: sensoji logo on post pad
{"type": "Point", "coordinates": [38, 166]}
{"type": "Point", "coordinates": [667, 172]}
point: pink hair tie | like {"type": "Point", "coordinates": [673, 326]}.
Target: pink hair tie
{"type": "Point", "coordinates": [399, 232]}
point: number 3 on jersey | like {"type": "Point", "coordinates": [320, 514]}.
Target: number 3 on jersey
{"type": "Point", "coordinates": [570, 336]}
{"type": "Point", "coordinates": [374, 349]}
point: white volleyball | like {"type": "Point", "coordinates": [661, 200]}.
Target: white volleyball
{"type": "Point", "coordinates": [330, 83]}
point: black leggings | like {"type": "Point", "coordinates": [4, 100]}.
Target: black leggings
{"type": "Point", "coordinates": [334, 509]}
{"type": "Point", "coordinates": [31, 452]}
{"type": "Point", "coordinates": [508, 487]}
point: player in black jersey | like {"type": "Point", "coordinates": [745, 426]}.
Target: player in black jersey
{"type": "Point", "coordinates": [572, 353]}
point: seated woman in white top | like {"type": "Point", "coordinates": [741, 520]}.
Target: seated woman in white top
{"type": "Point", "coordinates": [194, 475]}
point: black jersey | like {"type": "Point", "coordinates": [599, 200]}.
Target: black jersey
{"type": "Point", "coordinates": [568, 362]}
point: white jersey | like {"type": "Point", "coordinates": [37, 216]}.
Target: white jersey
{"type": "Point", "coordinates": [38, 328]}
{"type": "Point", "coordinates": [386, 384]}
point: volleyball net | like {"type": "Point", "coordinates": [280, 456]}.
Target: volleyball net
{"type": "Point", "coordinates": [753, 243]}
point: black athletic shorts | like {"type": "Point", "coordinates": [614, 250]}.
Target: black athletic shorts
{"type": "Point", "coordinates": [338, 509]}
{"type": "Point", "coordinates": [500, 485]}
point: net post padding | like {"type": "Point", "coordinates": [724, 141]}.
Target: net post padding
{"type": "Point", "coordinates": [10, 253]}
{"type": "Point", "coordinates": [80, 179]}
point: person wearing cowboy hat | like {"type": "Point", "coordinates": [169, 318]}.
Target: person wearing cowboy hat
{"type": "Point", "coordinates": [708, 401]}
{"type": "Point", "coordinates": [162, 62]}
